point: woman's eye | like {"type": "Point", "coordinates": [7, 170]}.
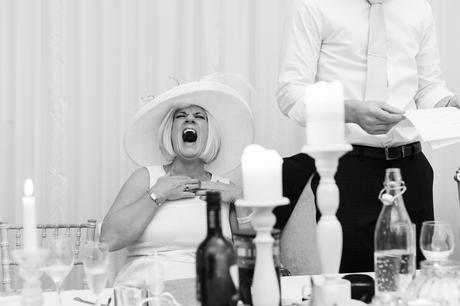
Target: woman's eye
{"type": "Point", "coordinates": [180, 116]}
{"type": "Point", "coordinates": [200, 116]}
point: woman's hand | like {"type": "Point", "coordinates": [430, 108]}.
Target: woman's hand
{"type": "Point", "coordinates": [174, 188]}
{"type": "Point", "coordinates": [229, 192]}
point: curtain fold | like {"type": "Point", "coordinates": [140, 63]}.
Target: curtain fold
{"type": "Point", "coordinates": [73, 73]}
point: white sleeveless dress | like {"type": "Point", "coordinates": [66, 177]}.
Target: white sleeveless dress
{"type": "Point", "coordinates": [175, 232]}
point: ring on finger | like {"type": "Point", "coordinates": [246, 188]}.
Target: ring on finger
{"type": "Point", "coordinates": [187, 187]}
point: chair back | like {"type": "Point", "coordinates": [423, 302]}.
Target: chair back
{"type": "Point", "coordinates": [457, 179]}
{"type": "Point", "coordinates": [8, 232]}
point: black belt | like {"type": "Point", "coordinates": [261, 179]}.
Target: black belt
{"type": "Point", "coordinates": [387, 153]}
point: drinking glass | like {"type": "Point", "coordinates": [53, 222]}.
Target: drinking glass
{"type": "Point", "coordinates": [436, 240]}
{"type": "Point", "coordinates": [59, 261]}
{"type": "Point", "coordinates": [95, 263]}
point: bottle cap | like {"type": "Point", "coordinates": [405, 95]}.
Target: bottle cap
{"type": "Point", "coordinates": [387, 198]}
{"type": "Point", "coordinates": [213, 197]}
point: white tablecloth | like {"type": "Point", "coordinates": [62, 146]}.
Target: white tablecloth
{"type": "Point", "coordinates": [67, 298]}
{"type": "Point", "coordinates": [291, 291]}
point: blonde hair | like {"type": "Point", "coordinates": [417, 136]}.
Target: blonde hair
{"type": "Point", "coordinates": [211, 150]}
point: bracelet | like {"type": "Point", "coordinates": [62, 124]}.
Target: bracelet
{"type": "Point", "coordinates": [244, 220]}
{"type": "Point", "coordinates": [154, 197]}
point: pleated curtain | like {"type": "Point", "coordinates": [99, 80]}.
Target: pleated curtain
{"type": "Point", "coordinates": [73, 73]}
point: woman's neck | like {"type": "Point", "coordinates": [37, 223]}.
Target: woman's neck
{"type": "Point", "coordinates": [193, 169]}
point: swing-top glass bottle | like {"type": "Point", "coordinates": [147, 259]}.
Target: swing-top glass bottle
{"type": "Point", "coordinates": [394, 240]}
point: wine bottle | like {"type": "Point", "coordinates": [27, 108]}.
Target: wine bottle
{"type": "Point", "coordinates": [215, 258]}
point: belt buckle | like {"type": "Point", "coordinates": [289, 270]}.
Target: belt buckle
{"type": "Point", "coordinates": [389, 156]}
{"type": "Point", "coordinates": [403, 151]}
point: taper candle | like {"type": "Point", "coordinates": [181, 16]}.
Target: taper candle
{"type": "Point", "coordinates": [28, 218]}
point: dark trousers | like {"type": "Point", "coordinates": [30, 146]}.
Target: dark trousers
{"type": "Point", "coordinates": [360, 180]}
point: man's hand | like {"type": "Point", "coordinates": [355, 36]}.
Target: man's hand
{"type": "Point", "coordinates": [454, 101]}
{"type": "Point", "coordinates": [373, 117]}
{"type": "Point", "coordinates": [450, 101]}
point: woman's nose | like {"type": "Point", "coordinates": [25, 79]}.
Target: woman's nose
{"type": "Point", "coordinates": [190, 118]}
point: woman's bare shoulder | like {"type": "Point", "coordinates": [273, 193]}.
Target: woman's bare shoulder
{"type": "Point", "coordinates": [139, 175]}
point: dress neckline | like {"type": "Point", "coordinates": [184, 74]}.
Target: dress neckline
{"type": "Point", "coordinates": [213, 177]}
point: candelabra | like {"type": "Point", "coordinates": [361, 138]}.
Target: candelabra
{"type": "Point", "coordinates": [29, 270]}
{"type": "Point", "coordinates": [334, 290]}
{"type": "Point", "coordinates": [265, 286]}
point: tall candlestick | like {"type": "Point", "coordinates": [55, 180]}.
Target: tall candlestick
{"type": "Point", "coordinates": [262, 189]}
{"type": "Point", "coordinates": [262, 172]}
{"type": "Point", "coordinates": [325, 132]}
{"type": "Point", "coordinates": [28, 218]}
{"type": "Point", "coordinates": [325, 114]}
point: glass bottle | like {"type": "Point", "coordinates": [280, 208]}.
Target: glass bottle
{"type": "Point", "coordinates": [394, 245]}
{"type": "Point", "coordinates": [215, 260]}
{"type": "Point", "coordinates": [246, 258]}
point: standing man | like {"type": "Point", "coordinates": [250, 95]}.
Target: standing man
{"type": "Point", "coordinates": [386, 56]}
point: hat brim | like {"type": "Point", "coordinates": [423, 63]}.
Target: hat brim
{"type": "Point", "coordinates": [232, 115]}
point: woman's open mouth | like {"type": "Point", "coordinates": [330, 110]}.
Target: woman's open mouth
{"type": "Point", "coordinates": [189, 135]}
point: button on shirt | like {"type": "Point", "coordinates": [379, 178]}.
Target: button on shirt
{"type": "Point", "coordinates": [327, 40]}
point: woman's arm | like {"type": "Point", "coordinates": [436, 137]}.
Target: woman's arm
{"type": "Point", "coordinates": [133, 208]}
{"type": "Point", "coordinates": [131, 212]}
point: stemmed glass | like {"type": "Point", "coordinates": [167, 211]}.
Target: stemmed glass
{"type": "Point", "coordinates": [59, 261]}
{"type": "Point", "coordinates": [95, 263]}
{"type": "Point", "coordinates": [436, 240]}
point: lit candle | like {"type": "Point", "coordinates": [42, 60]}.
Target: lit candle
{"type": "Point", "coordinates": [262, 170]}
{"type": "Point", "coordinates": [28, 218]}
{"type": "Point", "coordinates": [325, 113]}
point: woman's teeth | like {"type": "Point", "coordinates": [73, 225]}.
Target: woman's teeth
{"type": "Point", "coordinates": [189, 135]}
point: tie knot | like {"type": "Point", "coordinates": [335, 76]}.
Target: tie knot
{"type": "Point", "coordinates": [372, 2]}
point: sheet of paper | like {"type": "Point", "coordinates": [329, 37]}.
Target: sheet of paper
{"type": "Point", "coordinates": [437, 125]}
{"type": "Point", "coordinates": [438, 144]}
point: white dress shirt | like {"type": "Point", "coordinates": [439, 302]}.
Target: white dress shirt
{"type": "Point", "coordinates": [327, 40]}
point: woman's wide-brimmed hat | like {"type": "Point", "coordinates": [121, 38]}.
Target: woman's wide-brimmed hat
{"type": "Point", "coordinates": [231, 112]}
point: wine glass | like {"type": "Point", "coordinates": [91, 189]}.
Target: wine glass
{"type": "Point", "coordinates": [59, 261]}
{"type": "Point", "coordinates": [436, 240]}
{"type": "Point", "coordinates": [95, 263]}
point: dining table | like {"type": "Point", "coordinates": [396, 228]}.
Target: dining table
{"type": "Point", "coordinates": [293, 289]}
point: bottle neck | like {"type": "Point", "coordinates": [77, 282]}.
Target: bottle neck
{"type": "Point", "coordinates": [214, 222]}
{"type": "Point", "coordinates": [395, 191]}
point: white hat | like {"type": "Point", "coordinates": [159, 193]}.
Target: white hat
{"type": "Point", "coordinates": [231, 112]}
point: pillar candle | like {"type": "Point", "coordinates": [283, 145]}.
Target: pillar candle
{"type": "Point", "coordinates": [325, 114]}
{"type": "Point", "coordinates": [28, 218]}
{"type": "Point", "coordinates": [262, 171]}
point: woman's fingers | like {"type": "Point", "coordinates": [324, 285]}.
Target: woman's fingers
{"type": "Point", "coordinates": [212, 185]}
{"type": "Point", "coordinates": [201, 192]}
{"type": "Point", "coordinates": [187, 195]}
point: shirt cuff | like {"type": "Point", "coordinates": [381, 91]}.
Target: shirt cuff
{"type": "Point", "coordinates": [297, 112]}
{"type": "Point", "coordinates": [433, 97]}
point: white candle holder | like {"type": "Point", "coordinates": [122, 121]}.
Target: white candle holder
{"type": "Point", "coordinates": [30, 272]}
{"type": "Point", "coordinates": [329, 231]}
{"type": "Point", "coordinates": [265, 287]}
